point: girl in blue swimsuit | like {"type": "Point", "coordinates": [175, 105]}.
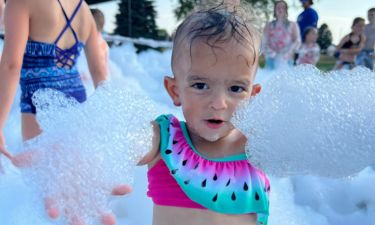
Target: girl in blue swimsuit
{"type": "Point", "coordinates": [42, 43]}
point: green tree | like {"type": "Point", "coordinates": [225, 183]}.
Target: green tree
{"type": "Point", "coordinates": [263, 8]}
{"type": "Point", "coordinates": [325, 36]}
{"type": "Point", "coordinates": [136, 18]}
{"type": "Point", "coordinates": [184, 7]}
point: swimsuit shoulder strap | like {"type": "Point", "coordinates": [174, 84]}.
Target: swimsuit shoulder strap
{"type": "Point", "coordinates": [69, 21]}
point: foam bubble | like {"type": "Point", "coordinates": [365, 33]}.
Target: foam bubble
{"type": "Point", "coordinates": [87, 149]}
{"type": "Point", "coordinates": [308, 122]}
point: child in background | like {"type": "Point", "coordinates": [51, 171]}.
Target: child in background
{"type": "Point", "coordinates": [41, 48]}
{"type": "Point", "coordinates": [309, 52]}
{"type": "Point", "coordinates": [366, 56]}
{"type": "Point", "coordinates": [351, 45]}
{"type": "Point", "coordinates": [103, 49]}
{"type": "Point", "coordinates": [100, 20]}
{"type": "Point", "coordinates": [198, 171]}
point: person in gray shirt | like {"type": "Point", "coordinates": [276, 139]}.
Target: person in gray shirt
{"type": "Point", "coordinates": [366, 56]}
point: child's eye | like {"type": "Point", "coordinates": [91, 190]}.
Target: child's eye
{"type": "Point", "coordinates": [237, 89]}
{"type": "Point", "coordinates": [200, 86]}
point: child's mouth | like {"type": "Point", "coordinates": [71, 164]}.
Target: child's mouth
{"type": "Point", "coordinates": [214, 123]}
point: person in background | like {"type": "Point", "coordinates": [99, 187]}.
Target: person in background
{"type": "Point", "coordinates": [309, 52]}
{"type": "Point", "coordinates": [366, 56]}
{"type": "Point", "coordinates": [281, 38]}
{"type": "Point", "coordinates": [42, 43]}
{"type": "Point", "coordinates": [308, 18]}
{"type": "Point", "coordinates": [100, 21]}
{"type": "Point", "coordinates": [350, 45]}
{"type": "Point", "coordinates": [103, 53]}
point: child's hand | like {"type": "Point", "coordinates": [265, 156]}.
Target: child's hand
{"type": "Point", "coordinates": [31, 158]}
{"type": "Point", "coordinates": [25, 159]}
{"type": "Point", "coordinates": [106, 218]}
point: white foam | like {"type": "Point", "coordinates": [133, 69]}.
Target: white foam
{"type": "Point", "coordinates": [87, 149]}
{"type": "Point", "coordinates": [294, 200]}
{"type": "Point", "coordinates": [308, 122]}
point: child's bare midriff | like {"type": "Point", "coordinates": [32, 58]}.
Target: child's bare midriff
{"type": "Point", "coordinates": [167, 215]}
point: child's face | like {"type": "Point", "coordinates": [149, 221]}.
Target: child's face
{"type": "Point", "coordinates": [210, 85]}
{"type": "Point", "coordinates": [312, 36]}
{"type": "Point", "coordinates": [359, 27]}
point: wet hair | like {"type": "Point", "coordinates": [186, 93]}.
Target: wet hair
{"type": "Point", "coordinates": [215, 26]}
{"type": "Point", "coordinates": [357, 20]}
{"type": "Point", "coordinates": [99, 18]}
{"type": "Point", "coordinates": [371, 10]}
{"type": "Point", "coordinates": [306, 31]}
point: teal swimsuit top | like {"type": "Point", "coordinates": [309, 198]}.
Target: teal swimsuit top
{"type": "Point", "coordinates": [228, 185]}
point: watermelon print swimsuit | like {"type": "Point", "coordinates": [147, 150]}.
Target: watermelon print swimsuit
{"type": "Point", "coordinates": [185, 178]}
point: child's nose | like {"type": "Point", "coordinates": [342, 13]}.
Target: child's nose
{"type": "Point", "coordinates": [219, 101]}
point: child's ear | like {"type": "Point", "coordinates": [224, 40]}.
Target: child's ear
{"type": "Point", "coordinates": [171, 87]}
{"type": "Point", "coordinates": [256, 89]}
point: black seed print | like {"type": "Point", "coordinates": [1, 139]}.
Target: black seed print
{"type": "Point", "coordinates": [245, 187]}
{"type": "Point", "coordinates": [215, 198]}
{"type": "Point", "coordinates": [196, 166]}
{"type": "Point", "coordinates": [256, 196]}
{"type": "Point", "coordinates": [233, 196]}
{"type": "Point", "coordinates": [184, 162]}
{"type": "Point", "coordinates": [173, 172]}
{"type": "Point", "coordinates": [228, 183]}
{"type": "Point", "coordinates": [168, 151]}
{"type": "Point", "coordinates": [204, 183]}
{"type": "Point", "coordinates": [215, 177]}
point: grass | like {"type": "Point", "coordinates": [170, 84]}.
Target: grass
{"type": "Point", "coordinates": [325, 63]}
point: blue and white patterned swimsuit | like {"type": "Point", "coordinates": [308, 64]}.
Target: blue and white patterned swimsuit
{"type": "Point", "coordinates": [45, 65]}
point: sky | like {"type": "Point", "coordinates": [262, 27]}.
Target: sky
{"type": "Point", "coordinates": [338, 14]}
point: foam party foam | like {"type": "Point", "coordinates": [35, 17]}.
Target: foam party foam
{"type": "Point", "coordinates": [87, 149]}
{"type": "Point", "coordinates": [305, 121]}
{"type": "Point", "coordinates": [307, 200]}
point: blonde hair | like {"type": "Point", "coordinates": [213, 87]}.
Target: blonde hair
{"type": "Point", "coordinates": [217, 25]}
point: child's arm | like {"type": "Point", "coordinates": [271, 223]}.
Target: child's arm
{"type": "Point", "coordinates": [266, 50]}
{"type": "Point", "coordinates": [153, 153]}
{"type": "Point", "coordinates": [290, 49]}
{"type": "Point", "coordinates": [17, 28]}
{"type": "Point", "coordinates": [357, 49]}
{"type": "Point", "coordinates": [316, 56]}
{"type": "Point", "coordinates": [296, 36]}
{"type": "Point", "coordinates": [93, 53]}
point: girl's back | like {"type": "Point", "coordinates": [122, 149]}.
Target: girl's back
{"type": "Point", "coordinates": [47, 21]}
